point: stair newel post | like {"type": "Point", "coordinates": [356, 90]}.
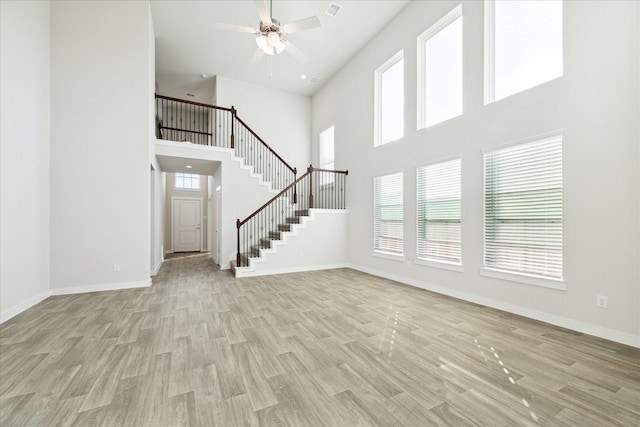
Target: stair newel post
{"type": "Point", "coordinates": [295, 187]}
{"type": "Point", "coordinates": [310, 171]}
{"type": "Point", "coordinates": [233, 123]}
{"type": "Point", "coordinates": [238, 257]}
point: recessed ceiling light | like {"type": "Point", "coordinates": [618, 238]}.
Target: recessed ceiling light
{"type": "Point", "coordinates": [333, 9]}
{"type": "Point", "coordinates": [304, 76]}
{"type": "Point", "coordinates": [188, 166]}
{"type": "Point", "coordinates": [204, 76]}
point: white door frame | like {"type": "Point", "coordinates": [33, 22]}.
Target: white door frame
{"type": "Point", "coordinates": [173, 216]}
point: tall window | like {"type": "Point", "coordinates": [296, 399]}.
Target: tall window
{"type": "Point", "coordinates": [440, 212]}
{"type": "Point", "coordinates": [523, 208]}
{"type": "Point", "coordinates": [389, 100]}
{"type": "Point", "coordinates": [440, 70]}
{"type": "Point", "coordinates": [187, 181]}
{"type": "Point", "coordinates": [523, 45]}
{"type": "Point", "coordinates": [388, 213]}
{"type": "Point", "coordinates": [326, 155]}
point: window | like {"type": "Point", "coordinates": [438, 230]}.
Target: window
{"type": "Point", "coordinates": [387, 213]}
{"type": "Point", "coordinates": [440, 70]}
{"type": "Point", "coordinates": [439, 212]}
{"type": "Point", "coordinates": [523, 45]}
{"type": "Point", "coordinates": [327, 156]}
{"type": "Point", "coordinates": [389, 100]}
{"type": "Point", "coordinates": [523, 208]}
{"type": "Point", "coordinates": [187, 181]}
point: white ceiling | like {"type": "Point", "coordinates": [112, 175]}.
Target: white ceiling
{"type": "Point", "coordinates": [188, 44]}
{"type": "Point", "coordinates": [174, 164]}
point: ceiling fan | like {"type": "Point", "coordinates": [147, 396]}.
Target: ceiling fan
{"type": "Point", "coordinates": [271, 34]}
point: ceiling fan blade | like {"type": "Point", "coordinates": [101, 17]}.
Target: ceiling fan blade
{"type": "Point", "coordinates": [257, 57]}
{"type": "Point", "coordinates": [295, 52]}
{"type": "Point", "coordinates": [301, 25]}
{"type": "Point", "coordinates": [263, 11]}
{"type": "Point", "coordinates": [237, 28]}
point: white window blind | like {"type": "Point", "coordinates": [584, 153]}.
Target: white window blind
{"type": "Point", "coordinates": [440, 212]}
{"type": "Point", "coordinates": [388, 213]}
{"type": "Point", "coordinates": [187, 181]}
{"type": "Point", "coordinates": [523, 208]}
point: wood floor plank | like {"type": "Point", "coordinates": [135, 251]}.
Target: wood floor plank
{"type": "Point", "coordinates": [326, 348]}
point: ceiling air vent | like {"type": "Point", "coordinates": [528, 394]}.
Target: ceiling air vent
{"type": "Point", "coordinates": [313, 80]}
{"type": "Point", "coordinates": [191, 94]}
{"type": "Point", "coordinates": [333, 9]}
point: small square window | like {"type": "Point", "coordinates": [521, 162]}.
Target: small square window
{"type": "Point", "coordinates": [187, 181]}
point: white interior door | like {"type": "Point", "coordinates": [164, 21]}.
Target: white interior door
{"type": "Point", "coordinates": [187, 220]}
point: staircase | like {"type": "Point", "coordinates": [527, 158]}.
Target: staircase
{"type": "Point", "coordinates": [312, 198]}
{"type": "Point", "coordinates": [270, 239]}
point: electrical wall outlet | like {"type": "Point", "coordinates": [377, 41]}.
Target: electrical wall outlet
{"type": "Point", "coordinates": [601, 301]}
{"type": "Point", "coordinates": [116, 267]}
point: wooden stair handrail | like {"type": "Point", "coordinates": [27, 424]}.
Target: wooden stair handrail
{"type": "Point", "coordinates": [309, 174]}
{"type": "Point", "coordinates": [266, 145]}
{"type": "Point", "coordinates": [273, 199]}
{"type": "Point", "coordinates": [310, 170]}
{"type": "Point", "coordinates": [233, 112]}
{"type": "Point", "coordinates": [199, 104]}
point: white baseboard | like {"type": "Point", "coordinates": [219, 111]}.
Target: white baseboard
{"type": "Point", "coordinates": [240, 273]}
{"type": "Point", "coordinates": [12, 312]}
{"type": "Point", "coordinates": [564, 322]}
{"type": "Point", "coordinates": [102, 287]}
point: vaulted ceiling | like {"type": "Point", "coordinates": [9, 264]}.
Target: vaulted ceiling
{"type": "Point", "coordinates": [188, 45]}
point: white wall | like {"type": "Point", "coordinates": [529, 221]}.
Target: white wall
{"type": "Point", "coordinates": [596, 104]}
{"type": "Point", "coordinates": [157, 216]}
{"type": "Point", "coordinates": [281, 119]}
{"type": "Point", "coordinates": [156, 176]}
{"type": "Point", "coordinates": [24, 152]}
{"type": "Point", "coordinates": [100, 91]}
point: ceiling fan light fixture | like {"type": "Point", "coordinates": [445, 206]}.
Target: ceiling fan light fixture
{"type": "Point", "coordinates": [273, 39]}
{"type": "Point", "coordinates": [280, 47]}
{"type": "Point", "coordinates": [262, 43]}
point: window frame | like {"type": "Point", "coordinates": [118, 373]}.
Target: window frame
{"type": "Point", "coordinates": [377, 250]}
{"type": "Point", "coordinates": [327, 179]}
{"type": "Point", "coordinates": [490, 55]}
{"type": "Point", "coordinates": [378, 119]}
{"type": "Point", "coordinates": [518, 275]}
{"type": "Point", "coordinates": [434, 261]}
{"type": "Point", "coordinates": [422, 121]}
{"type": "Point", "coordinates": [191, 179]}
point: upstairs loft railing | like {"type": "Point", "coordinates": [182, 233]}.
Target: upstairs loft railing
{"type": "Point", "coordinates": [317, 188]}
{"type": "Point", "coordinates": [204, 124]}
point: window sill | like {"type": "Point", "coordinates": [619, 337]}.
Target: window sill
{"type": "Point", "coordinates": [440, 264]}
{"type": "Point", "coordinates": [388, 255]}
{"type": "Point", "coordinates": [524, 278]}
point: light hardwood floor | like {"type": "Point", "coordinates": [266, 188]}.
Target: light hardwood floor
{"type": "Point", "coordinates": [327, 348]}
